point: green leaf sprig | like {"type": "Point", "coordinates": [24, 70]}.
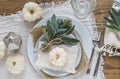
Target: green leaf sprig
{"type": "Point", "coordinates": [57, 31]}
{"type": "Point", "coordinates": [113, 22]}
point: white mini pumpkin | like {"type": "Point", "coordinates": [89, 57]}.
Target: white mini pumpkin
{"type": "Point", "coordinates": [15, 63]}
{"type": "Point", "coordinates": [2, 49]}
{"type": "Point", "coordinates": [31, 11]}
{"type": "Point", "coordinates": [58, 57]}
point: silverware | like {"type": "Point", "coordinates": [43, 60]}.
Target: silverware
{"type": "Point", "coordinates": [89, 67]}
{"type": "Point", "coordinates": [101, 43]}
{"type": "Point", "coordinates": [95, 42]}
{"type": "Point", "coordinates": [97, 65]}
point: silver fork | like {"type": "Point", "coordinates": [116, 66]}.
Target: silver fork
{"type": "Point", "coordinates": [95, 42]}
{"type": "Point", "coordinates": [91, 57]}
{"type": "Point", "coordinates": [101, 43]}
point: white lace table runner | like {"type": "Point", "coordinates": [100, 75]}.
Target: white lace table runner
{"type": "Point", "coordinates": [16, 24]}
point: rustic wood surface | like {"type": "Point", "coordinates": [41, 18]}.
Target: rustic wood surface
{"type": "Point", "coordinates": [112, 64]}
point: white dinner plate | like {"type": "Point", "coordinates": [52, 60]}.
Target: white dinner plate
{"type": "Point", "coordinates": [82, 32]}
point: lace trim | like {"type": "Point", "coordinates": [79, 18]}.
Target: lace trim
{"type": "Point", "coordinates": [110, 50]}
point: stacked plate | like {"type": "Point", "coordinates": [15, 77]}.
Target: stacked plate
{"type": "Point", "coordinates": [81, 33]}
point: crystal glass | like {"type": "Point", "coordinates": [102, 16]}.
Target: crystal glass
{"type": "Point", "coordinates": [83, 8]}
{"type": "Point", "coordinates": [13, 41]}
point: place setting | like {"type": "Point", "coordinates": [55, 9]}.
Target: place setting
{"type": "Point", "coordinates": [57, 40]}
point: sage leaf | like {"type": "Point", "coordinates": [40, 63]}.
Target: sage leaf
{"type": "Point", "coordinates": [69, 40]}
{"type": "Point", "coordinates": [113, 21]}
{"type": "Point", "coordinates": [57, 31]}
{"type": "Point", "coordinates": [70, 30]}
{"type": "Point", "coordinates": [45, 33]}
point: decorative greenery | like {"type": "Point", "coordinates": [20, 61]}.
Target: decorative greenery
{"type": "Point", "coordinates": [57, 31]}
{"type": "Point", "coordinates": [114, 20]}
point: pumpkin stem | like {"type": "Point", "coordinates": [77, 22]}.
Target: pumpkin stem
{"type": "Point", "coordinates": [14, 63]}
{"type": "Point", "coordinates": [31, 11]}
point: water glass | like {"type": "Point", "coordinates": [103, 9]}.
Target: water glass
{"type": "Point", "coordinates": [83, 8]}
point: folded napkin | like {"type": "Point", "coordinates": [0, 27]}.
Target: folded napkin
{"type": "Point", "coordinates": [81, 69]}
{"type": "Point", "coordinates": [111, 38]}
{"type": "Point", "coordinates": [70, 65]}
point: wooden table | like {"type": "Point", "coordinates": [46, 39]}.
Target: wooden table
{"type": "Point", "coordinates": [112, 64]}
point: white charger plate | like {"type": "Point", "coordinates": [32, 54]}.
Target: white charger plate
{"type": "Point", "coordinates": [79, 28]}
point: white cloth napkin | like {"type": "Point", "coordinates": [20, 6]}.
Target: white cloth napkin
{"type": "Point", "coordinates": [111, 38]}
{"type": "Point", "coordinates": [70, 65]}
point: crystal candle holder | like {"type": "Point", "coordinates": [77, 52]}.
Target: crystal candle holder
{"type": "Point", "coordinates": [13, 41]}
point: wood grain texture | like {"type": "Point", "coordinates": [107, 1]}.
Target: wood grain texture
{"type": "Point", "coordinates": [112, 64]}
{"type": "Point", "coordinates": [12, 6]}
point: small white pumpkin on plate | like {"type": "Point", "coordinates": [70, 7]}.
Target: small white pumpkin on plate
{"type": "Point", "coordinates": [31, 11]}
{"type": "Point", "coordinates": [58, 57]}
{"type": "Point", "coordinates": [3, 49]}
{"type": "Point", "coordinates": [15, 63]}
